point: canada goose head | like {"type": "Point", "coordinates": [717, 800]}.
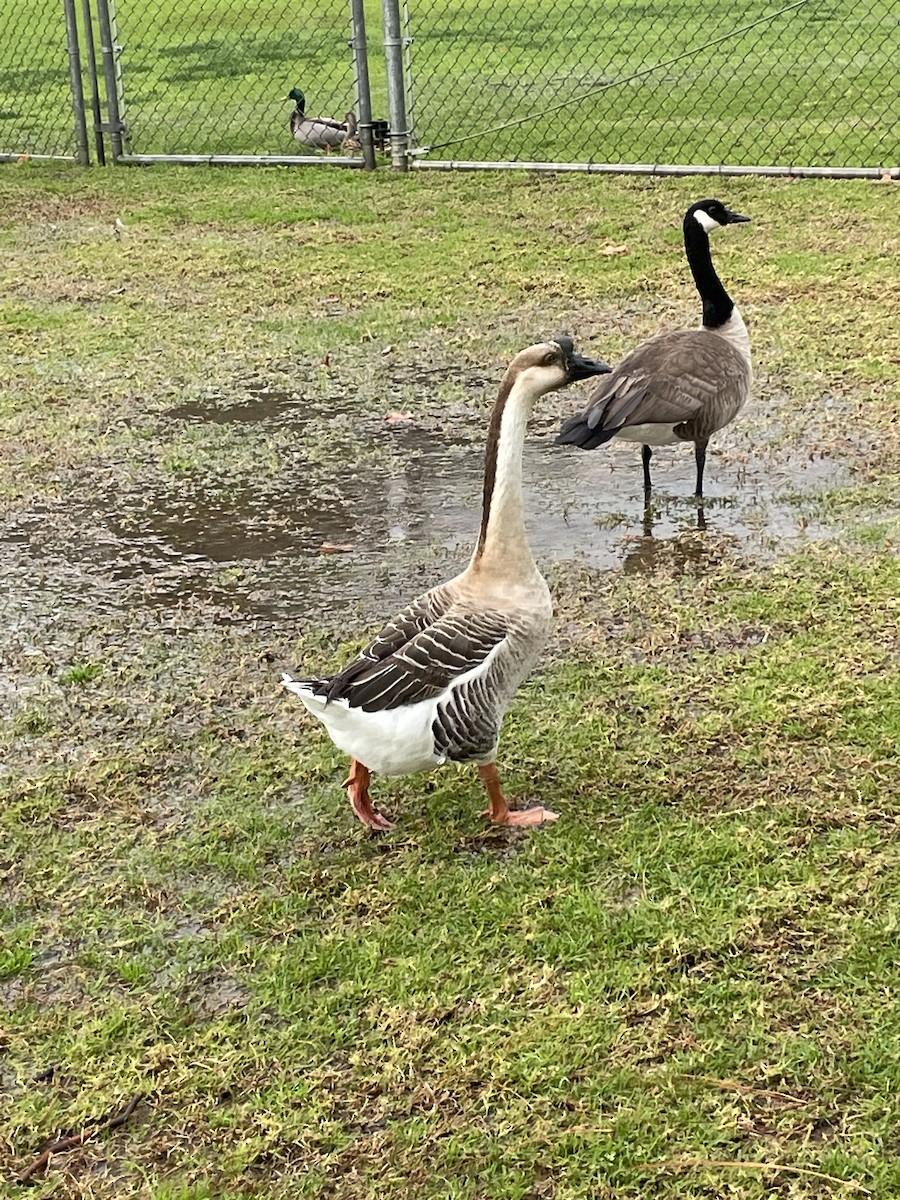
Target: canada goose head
{"type": "Point", "coordinates": [548, 366]}
{"type": "Point", "coordinates": [297, 95]}
{"type": "Point", "coordinates": [712, 214]}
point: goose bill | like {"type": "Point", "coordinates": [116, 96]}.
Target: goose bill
{"type": "Point", "coordinates": [578, 367]}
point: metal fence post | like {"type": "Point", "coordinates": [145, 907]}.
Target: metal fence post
{"type": "Point", "coordinates": [81, 138]}
{"type": "Point", "coordinates": [117, 63]}
{"type": "Point", "coordinates": [361, 70]}
{"type": "Point", "coordinates": [90, 56]}
{"type": "Point", "coordinates": [107, 50]}
{"type": "Point", "coordinates": [393, 59]}
{"type": "Point", "coordinates": [408, 81]}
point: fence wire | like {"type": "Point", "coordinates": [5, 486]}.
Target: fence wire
{"type": "Point", "coordinates": [35, 98]}
{"type": "Point", "coordinates": [537, 81]}
{"type": "Point", "coordinates": [210, 76]}
{"type": "Point", "coordinates": [814, 86]}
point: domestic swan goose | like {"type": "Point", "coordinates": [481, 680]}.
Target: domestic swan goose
{"type": "Point", "coordinates": [436, 682]}
{"type": "Point", "coordinates": [680, 386]}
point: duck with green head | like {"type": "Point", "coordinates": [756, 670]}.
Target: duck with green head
{"type": "Point", "coordinates": [319, 133]}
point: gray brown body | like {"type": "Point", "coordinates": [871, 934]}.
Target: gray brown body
{"type": "Point", "coordinates": [681, 386]}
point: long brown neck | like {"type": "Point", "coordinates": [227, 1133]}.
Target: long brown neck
{"type": "Point", "coordinates": [502, 542]}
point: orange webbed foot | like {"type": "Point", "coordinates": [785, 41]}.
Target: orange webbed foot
{"type": "Point", "coordinates": [500, 813]}
{"type": "Point", "coordinates": [521, 816]}
{"type": "Point", "coordinates": [357, 785]}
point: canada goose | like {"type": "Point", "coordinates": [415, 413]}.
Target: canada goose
{"type": "Point", "coordinates": [681, 386]}
{"type": "Point", "coordinates": [436, 682]}
{"type": "Point", "coordinates": [320, 133]}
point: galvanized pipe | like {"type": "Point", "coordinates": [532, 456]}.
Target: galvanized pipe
{"type": "Point", "coordinates": [90, 55]}
{"type": "Point", "coordinates": [393, 61]}
{"type": "Point", "coordinates": [82, 155]}
{"type": "Point", "coordinates": [21, 155]}
{"type": "Point", "coordinates": [120, 87]}
{"type": "Point", "coordinates": [107, 51]}
{"type": "Point", "coordinates": [662, 169]}
{"type": "Point", "coordinates": [242, 160]}
{"type": "Point", "coordinates": [670, 169]}
{"type": "Point", "coordinates": [361, 69]}
{"type": "Point", "coordinates": [409, 88]}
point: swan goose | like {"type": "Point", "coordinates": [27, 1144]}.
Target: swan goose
{"type": "Point", "coordinates": [437, 680]}
{"type": "Point", "coordinates": [681, 386]}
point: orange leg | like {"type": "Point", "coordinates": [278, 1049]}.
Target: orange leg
{"type": "Point", "coordinates": [500, 812]}
{"type": "Point", "coordinates": [357, 785]}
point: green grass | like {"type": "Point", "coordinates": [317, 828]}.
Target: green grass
{"type": "Point", "coordinates": [697, 962]}
{"type": "Point", "coordinates": [812, 87]}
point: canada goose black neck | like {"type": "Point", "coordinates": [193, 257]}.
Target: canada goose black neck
{"type": "Point", "coordinates": [717, 304]}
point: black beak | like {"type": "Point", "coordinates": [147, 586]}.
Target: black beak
{"type": "Point", "coordinates": [735, 218]}
{"type": "Point", "coordinates": [578, 367]}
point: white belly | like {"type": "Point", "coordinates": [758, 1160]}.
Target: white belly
{"type": "Point", "coordinates": [396, 741]}
{"type": "Point", "coordinates": [650, 435]}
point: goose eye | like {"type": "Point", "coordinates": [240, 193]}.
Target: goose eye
{"type": "Point", "coordinates": [549, 360]}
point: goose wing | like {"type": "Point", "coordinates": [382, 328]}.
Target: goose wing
{"type": "Point", "coordinates": [668, 380]}
{"type": "Point", "coordinates": [418, 655]}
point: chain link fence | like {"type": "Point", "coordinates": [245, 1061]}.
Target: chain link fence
{"type": "Point", "coordinates": [36, 116]}
{"type": "Point", "coordinates": [657, 82]}
{"type": "Point", "coordinates": [809, 83]}
{"type": "Point", "coordinates": [211, 76]}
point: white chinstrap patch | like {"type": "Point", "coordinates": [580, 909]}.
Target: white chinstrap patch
{"type": "Point", "coordinates": [705, 221]}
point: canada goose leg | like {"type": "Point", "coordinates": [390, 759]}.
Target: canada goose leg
{"type": "Point", "coordinates": [647, 524]}
{"type": "Point", "coordinates": [646, 455]}
{"type": "Point", "coordinates": [357, 785]}
{"type": "Point", "coordinates": [700, 455]}
{"type": "Point", "coordinates": [500, 812]}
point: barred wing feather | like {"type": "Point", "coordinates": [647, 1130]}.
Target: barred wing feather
{"type": "Point", "coordinates": [397, 670]}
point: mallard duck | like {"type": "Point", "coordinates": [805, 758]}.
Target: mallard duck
{"type": "Point", "coordinates": [681, 386]}
{"type": "Point", "coordinates": [320, 133]}
{"type": "Point", "coordinates": [436, 682]}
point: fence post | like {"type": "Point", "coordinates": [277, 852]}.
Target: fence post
{"type": "Point", "coordinates": [90, 55]}
{"type": "Point", "coordinates": [117, 63]}
{"type": "Point", "coordinates": [110, 81]}
{"type": "Point", "coordinates": [361, 70]}
{"type": "Point", "coordinates": [393, 60]}
{"type": "Point", "coordinates": [82, 155]}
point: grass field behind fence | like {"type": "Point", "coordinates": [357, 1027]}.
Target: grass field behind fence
{"type": "Point", "coordinates": [687, 987]}
{"type": "Point", "coordinates": [817, 86]}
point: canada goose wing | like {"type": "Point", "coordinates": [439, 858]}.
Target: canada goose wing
{"type": "Point", "coordinates": [416, 659]}
{"type": "Point", "coordinates": [667, 380]}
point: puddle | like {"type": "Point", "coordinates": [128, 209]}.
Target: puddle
{"type": "Point", "coordinates": [331, 504]}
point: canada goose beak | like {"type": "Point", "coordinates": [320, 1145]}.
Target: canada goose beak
{"type": "Point", "coordinates": [735, 218]}
{"type": "Point", "coordinates": [578, 367]}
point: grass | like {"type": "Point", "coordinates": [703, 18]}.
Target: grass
{"type": "Point", "coordinates": [810, 87]}
{"type": "Point", "coordinates": [696, 965]}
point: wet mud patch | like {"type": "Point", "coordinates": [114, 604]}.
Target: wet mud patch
{"type": "Point", "coordinates": [341, 497]}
